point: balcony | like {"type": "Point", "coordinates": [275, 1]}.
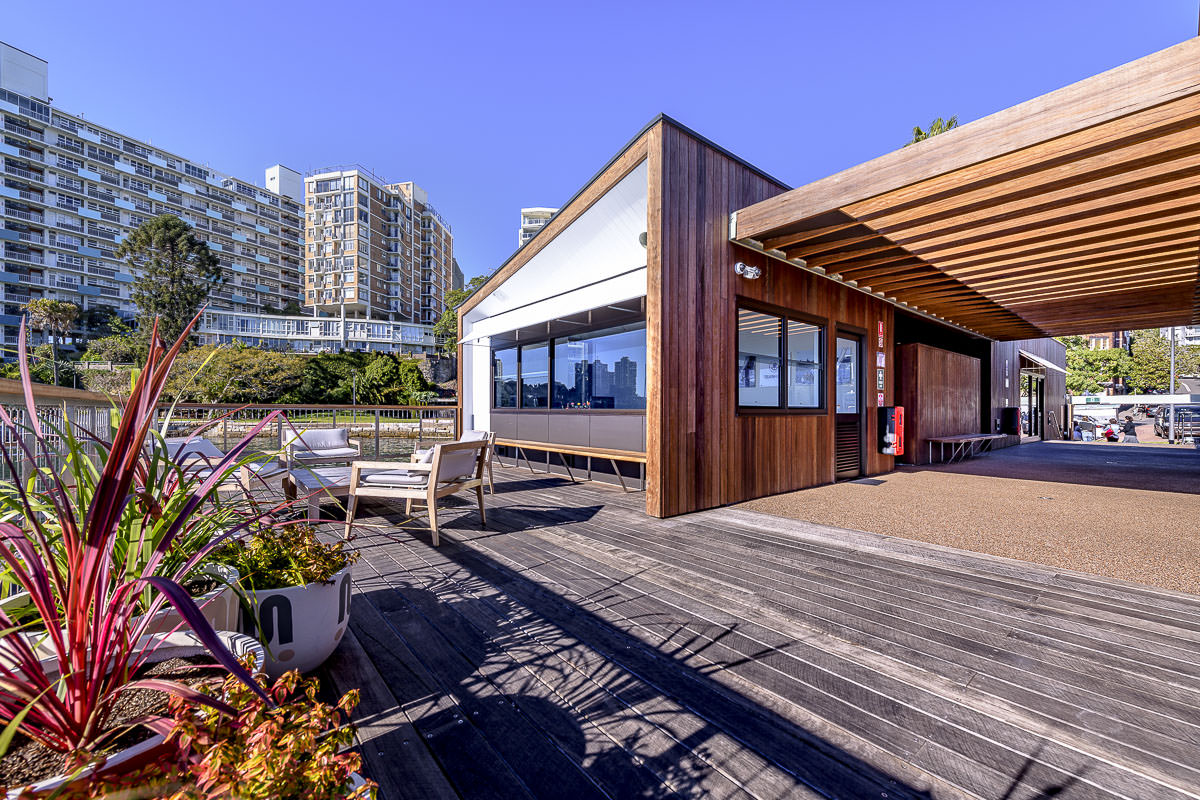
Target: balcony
{"type": "Point", "coordinates": [28, 216]}
{"type": "Point", "coordinates": [28, 133]}
{"type": "Point", "coordinates": [28, 258]}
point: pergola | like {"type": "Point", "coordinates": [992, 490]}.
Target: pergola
{"type": "Point", "coordinates": [1074, 212]}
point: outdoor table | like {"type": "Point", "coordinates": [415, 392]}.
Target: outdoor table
{"type": "Point", "coordinates": [318, 483]}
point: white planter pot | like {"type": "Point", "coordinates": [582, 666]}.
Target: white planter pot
{"type": "Point", "coordinates": [167, 645]}
{"type": "Point", "coordinates": [301, 625]}
{"type": "Point", "coordinates": [219, 607]}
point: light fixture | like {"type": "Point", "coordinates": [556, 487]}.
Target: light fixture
{"type": "Point", "coordinates": [748, 271]}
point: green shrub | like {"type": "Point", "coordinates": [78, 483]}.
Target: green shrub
{"type": "Point", "coordinates": [288, 555]}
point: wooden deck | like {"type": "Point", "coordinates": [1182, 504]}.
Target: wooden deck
{"type": "Point", "coordinates": [580, 649]}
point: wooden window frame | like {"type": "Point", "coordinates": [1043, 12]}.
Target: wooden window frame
{"type": "Point", "coordinates": [785, 315]}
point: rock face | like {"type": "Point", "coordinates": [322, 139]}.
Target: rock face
{"type": "Point", "coordinates": [438, 369]}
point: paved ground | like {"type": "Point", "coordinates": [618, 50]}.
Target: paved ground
{"type": "Point", "coordinates": [578, 649]}
{"type": "Point", "coordinates": [1125, 511]}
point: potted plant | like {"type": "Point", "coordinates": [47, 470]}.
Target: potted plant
{"type": "Point", "coordinates": [295, 746]}
{"type": "Point", "coordinates": [91, 538]}
{"type": "Point", "coordinates": [296, 593]}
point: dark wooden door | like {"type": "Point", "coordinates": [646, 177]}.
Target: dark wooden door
{"type": "Point", "coordinates": [848, 420]}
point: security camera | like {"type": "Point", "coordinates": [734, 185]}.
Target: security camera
{"type": "Point", "coordinates": [747, 271]}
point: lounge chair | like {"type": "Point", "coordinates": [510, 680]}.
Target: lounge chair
{"type": "Point", "coordinates": [200, 456]}
{"type": "Point", "coordinates": [323, 446]}
{"type": "Point", "coordinates": [452, 468]}
{"type": "Point", "coordinates": [423, 456]}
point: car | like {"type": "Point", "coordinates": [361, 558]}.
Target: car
{"type": "Point", "coordinates": [1187, 422]}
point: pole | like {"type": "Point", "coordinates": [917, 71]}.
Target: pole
{"type": "Point", "coordinates": [1172, 387]}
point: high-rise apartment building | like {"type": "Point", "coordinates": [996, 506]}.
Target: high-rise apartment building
{"type": "Point", "coordinates": [71, 190]}
{"type": "Point", "coordinates": [532, 221]}
{"type": "Point", "coordinates": [374, 250]}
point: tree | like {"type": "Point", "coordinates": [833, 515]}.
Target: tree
{"type": "Point", "coordinates": [1089, 371]}
{"type": "Point", "coordinates": [118, 348]}
{"type": "Point", "coordinates": [939, 125]}
{"type": "Point", "coordinates": [234, 374]}
{"type": "Point", "coordinates": [55, 317]}
{"type": "Point", "coordinates": [176, 272]}
{"type": "Point", "coordinates": [389, 380]}
{"type": "Point", "coordinates": [447, 326]}
{"type": "Point", "coordinates": [43, 368]}
{"type": "Point", "coordinates": [1150, 362]}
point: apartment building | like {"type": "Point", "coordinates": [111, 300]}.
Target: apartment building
{"type": "Point", "coordinates": [374, 250]}
{"type": "Point", "coordinates": [307, 334]}
{"type": "Point", "coordinates": [72, 190]}
{"type": "Point", "coordinates": [1184, 334]}
{"type": "Point", "coordinates": [532, 221]}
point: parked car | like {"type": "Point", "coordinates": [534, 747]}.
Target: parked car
{"type": "Point", "coordinates": [1187, 422]}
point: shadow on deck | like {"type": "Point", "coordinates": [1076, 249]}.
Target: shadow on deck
{"type": "Point", "coordinates": [578, 648]}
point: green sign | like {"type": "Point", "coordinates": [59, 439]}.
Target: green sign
{"type": "Point", "coordinates": [1092, 400]}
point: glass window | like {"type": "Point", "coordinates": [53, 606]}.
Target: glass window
{"type": "Point", "coordinates": [504, 378]}
{"type": "Point", "coordinates": [535, 375]}
{"type": "Point", "coordinates": [603, 369]}
{"type": "Point", "coordinates": [759, 339]}
{"type": "Point", "coordinates": [804, 379]}
{"type": "Point", "coordinates": [847, 376]}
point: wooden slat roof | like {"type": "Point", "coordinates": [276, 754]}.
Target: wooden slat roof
{"type": "Point", "coordinates": [1074, 212]}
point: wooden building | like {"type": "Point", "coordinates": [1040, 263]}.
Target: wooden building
{"type": "Point", "coordinates": [743, 336]}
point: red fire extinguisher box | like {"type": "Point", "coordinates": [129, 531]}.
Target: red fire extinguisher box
{"type": "Point", "coordinates": [891, 430]}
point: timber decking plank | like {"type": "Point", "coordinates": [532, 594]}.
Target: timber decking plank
{"type": "Point", "coordinates": [706, 630]}
{"type": "Point", "coordinates": [984, 725]}
{"type": "Point", "coordinates": [757, 775]}
{"type": "Point", "coordinates": [540, 765]}
{"type": "Point", "coordinates": [467, 759]}
{"type": "Point", "coordinates": [452, 625]}
{"type": "Point", "coordinates": [809, 757]}
{"type": "Point", "coordinates": [383, 729]}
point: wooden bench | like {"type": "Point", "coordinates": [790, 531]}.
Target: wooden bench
{"type": "Point", "coordinates": [564, 450]}
{"type": "Point", "coordinates": [963, 445]}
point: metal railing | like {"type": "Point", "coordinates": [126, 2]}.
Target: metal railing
{"type": "Point", "coordinates": [384, 432]}
{"type": "Point", "coordinates": [86, 422]}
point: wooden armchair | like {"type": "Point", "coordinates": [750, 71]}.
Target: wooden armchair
{"type": "Point", "coordinates": [452, 468]}
{"type": "Point", "coordinates": [423, 456]}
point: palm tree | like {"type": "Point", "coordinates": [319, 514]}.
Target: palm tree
{"type": "Point", "coordinates": [55, 317]}
{"type": "Point", "coordinates": [939, 125]}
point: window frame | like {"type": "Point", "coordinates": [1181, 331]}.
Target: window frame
{"type": "Point", "coordinates": [785, 316]}
{"type": "Point", "coordinates": [549, 342]}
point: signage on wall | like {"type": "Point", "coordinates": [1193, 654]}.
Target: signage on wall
{"type": "Point", "coordinates": [881, 334]}
{"type": "Point", "coordinates": [879, 399]}
{"type": "Point", "coordinates": [879, 381]}
{"type": "Point", "coordinates": [880, 359]}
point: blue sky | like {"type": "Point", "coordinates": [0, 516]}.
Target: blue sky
{"type": "Point", "coordinates": [494, 106]}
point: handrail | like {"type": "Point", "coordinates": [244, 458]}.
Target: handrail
{"type": "Point", "coordinates": [364, 407]}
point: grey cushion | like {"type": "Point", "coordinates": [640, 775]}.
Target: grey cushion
{"type": "Point", "coordinates": [322, 439]}
{"type": "Point", "coordinates": [315, 455]}
{"type": "Point", "coordinates": [182, 448]}
{"type": "Point", "coordinates": [423, 456]}
{"type": "Point", "coordinates": [395, 477]}
{"type": "Point", "coordinates": [474, 436]}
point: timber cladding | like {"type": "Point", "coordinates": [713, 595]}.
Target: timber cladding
{"type": "Point", "coordinates": [940, 392]}
{"type": "Point", "coordinates": [701, 452]}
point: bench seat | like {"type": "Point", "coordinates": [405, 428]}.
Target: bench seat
{"type": "Point", "coordinates": [563, 450]}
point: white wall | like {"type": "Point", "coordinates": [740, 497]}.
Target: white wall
{"type": "Point", "coordinates": [284, 181]}
{"type": "Point", "coordinates": [597, 260]}
{"type": "Point", "coordinates": [23, 73]}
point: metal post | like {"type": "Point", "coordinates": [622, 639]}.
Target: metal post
{"type": "Point", "coordinates": [377, 456]}
{"type": "Point", "coordinates": [1171, 389]}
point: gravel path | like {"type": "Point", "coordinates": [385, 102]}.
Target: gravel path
{"type": "Point", "coordinates": [1126, 511]}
